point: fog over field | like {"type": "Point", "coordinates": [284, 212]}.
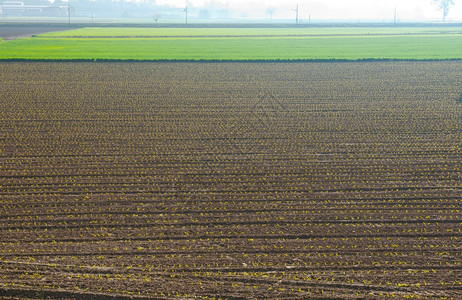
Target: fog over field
{"type": "Point", "coordinates": [329, 9]}
{"type": "Point", "coordinates": [225, 11]}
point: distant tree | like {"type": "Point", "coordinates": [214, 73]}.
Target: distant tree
{"type": "Point", "coordinates": [156, 17]}
{"type": "Point", "coordinates": [444, 5]}
{"type": "Point", "coordinates": [270, 11]}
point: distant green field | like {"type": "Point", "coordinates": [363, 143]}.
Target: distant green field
{"type": "Point", "coordinates": [172, 32]}
{"type": "Point", "coordinates": [243, 44]}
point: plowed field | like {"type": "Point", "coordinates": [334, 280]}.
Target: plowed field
{"type": "Point", "coordinates": [11, 32]}
{"type": "Point", "coordinates": [231, 180]}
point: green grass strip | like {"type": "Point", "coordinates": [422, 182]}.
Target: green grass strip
{"type": "Point", "coordinates": [408, 47]}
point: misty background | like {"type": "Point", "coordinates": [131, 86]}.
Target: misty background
{"type": "Point", "coordinates": [217, 11]}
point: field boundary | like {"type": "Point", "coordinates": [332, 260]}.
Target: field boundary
{"type": "Point", "coordinates": [333, 60]}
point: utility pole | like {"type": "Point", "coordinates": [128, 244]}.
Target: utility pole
{"type": "Point", "coordinates": [394, 17]}
{"type": "Point", "coordinates": [186, 13]}
{"type": "Point", "coordinates": [296, 18]}
{"type": "Point", "coordinates": [296, 14]}
{"type": "Point", "coordinates": [69, 13]}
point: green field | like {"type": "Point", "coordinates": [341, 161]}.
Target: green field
{"type": "Point", "coordinates": [242, 44]}
{"type": "Point", "coordinates": [203, 32]}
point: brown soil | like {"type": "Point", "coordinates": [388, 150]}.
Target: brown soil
{"type": "Point", "coordinates": [230, 180]}
{"type": "Point", "coordinates": [11, 32]}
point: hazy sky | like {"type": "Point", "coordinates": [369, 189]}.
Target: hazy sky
{"type": "Point", "coordinates": [332, 9]}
